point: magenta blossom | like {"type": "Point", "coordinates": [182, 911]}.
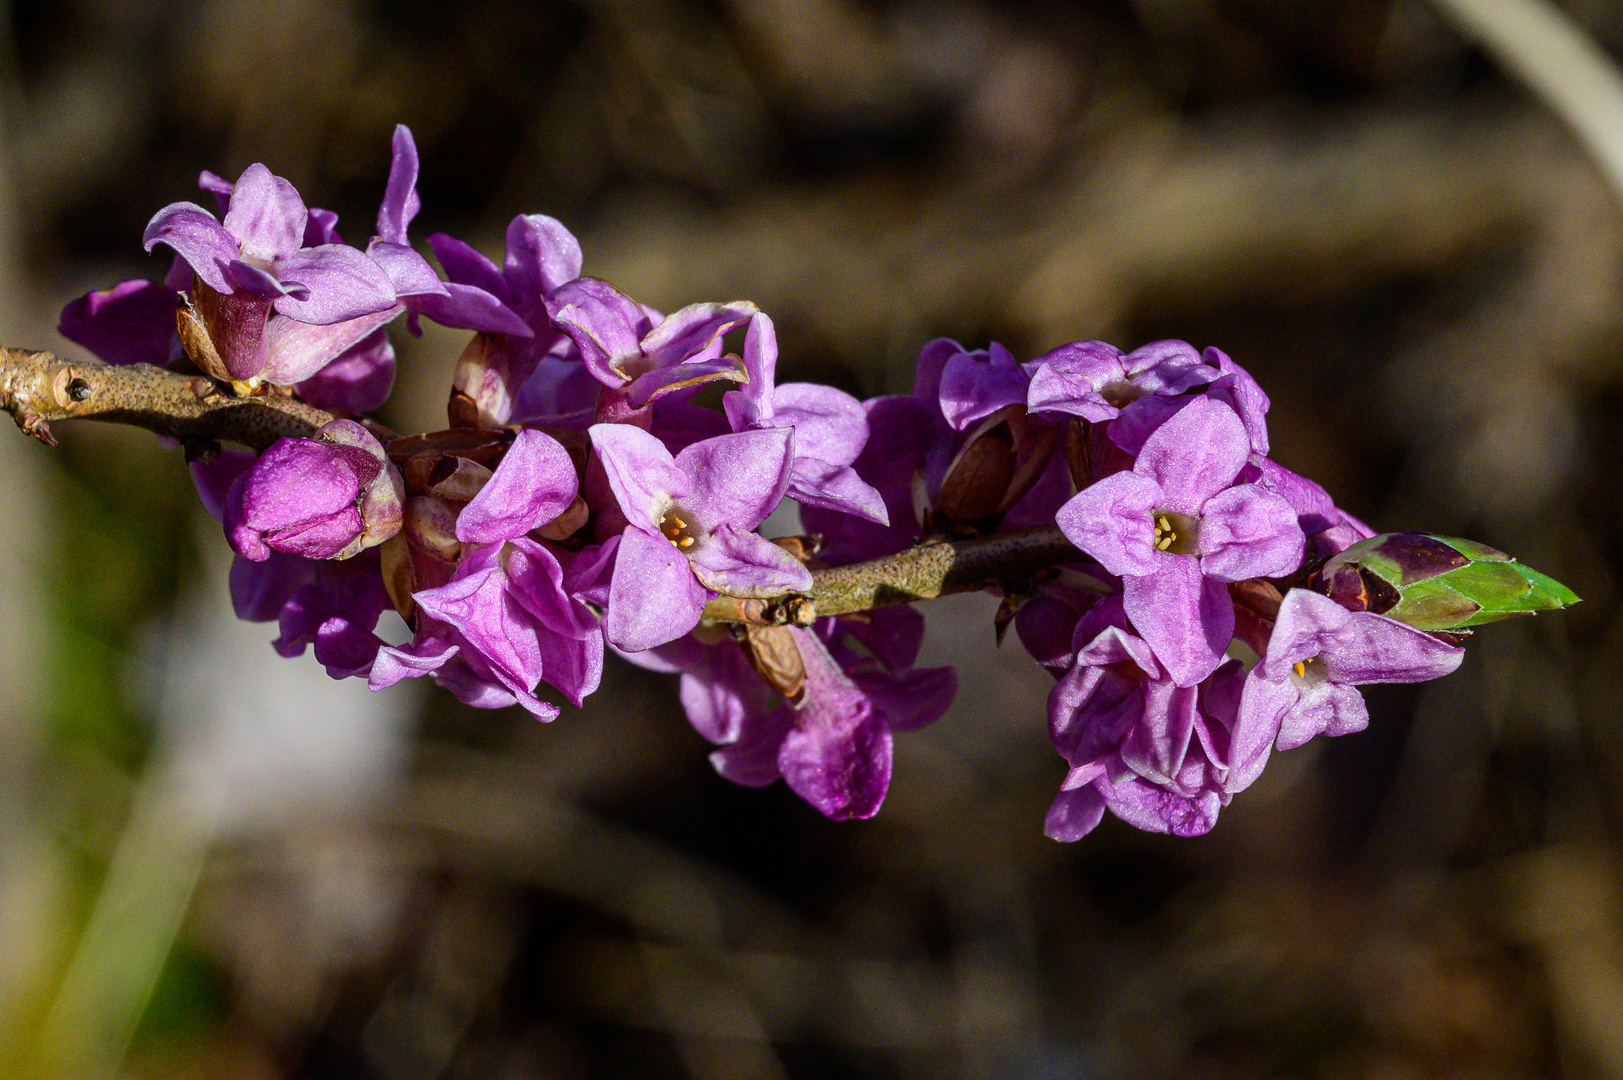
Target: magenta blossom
{"type": "Point", "coordinates": [689, 528]}
{"type": "Point", "coordinates": [506, 619]}
{"type": "Point", "coordinates": [323, 498]}
{"type": "Point", "coordinates": [1162, 757]}
{"type": "Point", "coordinates": [1319, 652]}
{"type": "Point", "coordinates": [1178, 527]}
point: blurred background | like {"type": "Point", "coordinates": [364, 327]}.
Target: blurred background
{"type": "Point", "coordinates": [215, 863]}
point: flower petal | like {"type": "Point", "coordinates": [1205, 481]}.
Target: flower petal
{"type": "Point", "coordinates": [1247, 531]}
{"type": "Point", "coordinates": [541, 256]}
{"type": "Point", "coordinates": [605, 324]}
{"type": "Point", "coordinates": [408, 272]}
{"type": "Point", "coordinates": [653, 597]}
{"type": "Point", "coordinates": [466, 265]}
{"type": "Point", "coordinates": [196, 237]}
{"type": "Point", "coordinates": [1186, 618]}
{"type": "Point", "coordinates": [687, 333]}
{"type": "Point", "coordinates": [829, 424]}
{"type": "Point", "coordinates": [1112, 521]}
{"type": "Point", "coordinates": [131, 323]}
{"type": "Point", "coordinates": [467, 307]}
{"type": "Point", "coordinates": [737, 479]}
{"type": "Point", "coordinates": [1195, 454]}
{"type": "Point", "coordinates": [746, 564]}
{"type": "Point", "coordinates": [400, 199]}
{"type": "Point", "coordinates": [534, 483]}
{"type": "Point", "coordinates": [267, 216]}
{"type": "Point", "coordinates": [644, 478]}
{"type": "Point", "coordinates": [357, 381]}
{"type": "Point", "coordinates": [343, 283]}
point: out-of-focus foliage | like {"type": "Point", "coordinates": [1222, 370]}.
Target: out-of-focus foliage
{"type": "Point", "coordinates": [208, 863]}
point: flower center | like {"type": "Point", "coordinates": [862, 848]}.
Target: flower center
{"type": "Point", "coordinates": [1176, 534]}
{"type": "Point", "coordinates": [678, 527]}
{"type": "Point", "coordinates": [1309, 673]}
{"type": "Point", "coordinates": [1120, 393]}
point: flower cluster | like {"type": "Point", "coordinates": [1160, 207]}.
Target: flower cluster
{"type": "Point", "coordinates": [594, 491]}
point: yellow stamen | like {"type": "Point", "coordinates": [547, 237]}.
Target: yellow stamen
{"type": "Point", "coordinates": [1300, 667]}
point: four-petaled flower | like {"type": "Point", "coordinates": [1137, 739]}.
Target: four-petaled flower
{"type": "Point", "coordinates": [688, 527]}
{"type": "Point", "coordinates": [1177, 528]}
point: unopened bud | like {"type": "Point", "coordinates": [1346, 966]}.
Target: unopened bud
{"type": "Point", "coordinates": [1438, 583]}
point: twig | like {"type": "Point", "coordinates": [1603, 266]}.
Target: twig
{"type": "Point", "coordinates": [935, 568]}
{"type": "Point", "coordinates": [39, 387]}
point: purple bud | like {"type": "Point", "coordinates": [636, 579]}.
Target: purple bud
{"type": "Point", "coordinates": [322, 498]}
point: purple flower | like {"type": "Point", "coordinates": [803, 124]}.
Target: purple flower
{"type": "Point", "coordinates": [637, 355]}
{"type": "Point", "coordinates": [131, 323]}
{"type": "Point", "coordinates": [255, 263]}
{"type": "Point", "coordinates": [1162, 757]}
{"type": "Point", "coordinates": [1096, 381]}
{"type": "Point", "coordinates": [506, 619]}
{"type": "Point", "coordinates": [688, 533]}
{"type": "Point", "coordinates": [833, 746]}
{"type": "Point", "coordinates": [323, 498]}
{"type": "Point", "coordinates": [1177, 528]}
{"type": "Point", "coordinates": [336, 611]}
{"type": "Point", "coordinates": [1330, 529]}
{"type": "Point", "coordinates": [1319, 651]}
{"type": "Point", "coordinates": [357, 380]}
{"type": "Point", "coordinates": [830, 428]}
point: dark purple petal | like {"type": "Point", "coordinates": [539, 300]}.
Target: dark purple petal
{"type": "Point", "coordinates": [1247, 531]}
{"type": "Point", "coordinates": [1138, 421]}
{"type": "Point", "coordinates": [1195, 454]}
{"type": "Point", "coordinates": [560, 392]}
{"type": "Point", "coordinates": [321, 228]}
{"type": "Point", "coordinates": [744, 564]}
{"type": "Point", "coordinates": [131, 323]}
{"type": "Point", "coordinates": [259, 590]}
{"type": "Point", "coordinates": [534, 483]}
{"type": "Point", "coordinates": [248, 279]}
{"type": "Point", "coordinates": [214, 476]}
{"type": "Point", "coordinates": [654, 597]}
{"type": "Point", "coordinates": [299, 497]}
{"type": "Point", "coordinates": [343, 283]}
{"type": "Point", "coordinates": [1187, 618]}
{"type": "Point", "coordinates": [466, 265]}
{"type": "Point", "coordinates": [1112, 521]}
{"type": "Point", "coordinates": [218, 186]}
{"type": "Point", "coordinates": [640, 471]}
{"type": "Point", "coordinates": [752, 760]}
{"type": "Point", "coordinates": [837, 756]}
{"type": "Point", "coordinates": [1077, 809]}
{"type": "Point", "coordinates": [737, 479]}
{"type": "Point", "coordinates": [933, 359]}
{"type": "Point", "coordinates": [266, 215]}
{"type": "Point", "coordinates": [358, 381]}
{"type": "Point", "coordinates": [400, 199]}
{"type": "Point", "coordinates": [911, 700]}
{"type": "Point", "coordinates": [196, 237]}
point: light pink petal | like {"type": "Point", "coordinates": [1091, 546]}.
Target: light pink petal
{"type": "Point", "coordinates": [197, 238]}
{"type": "Point", "coordinates": [1246, 532]}
{"type": "Point", "coordinates": [737, 479]}
{"type": "Point", "coordinates": [745, 564]}
{"type": "Point", "coordinates": [644, 478]}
